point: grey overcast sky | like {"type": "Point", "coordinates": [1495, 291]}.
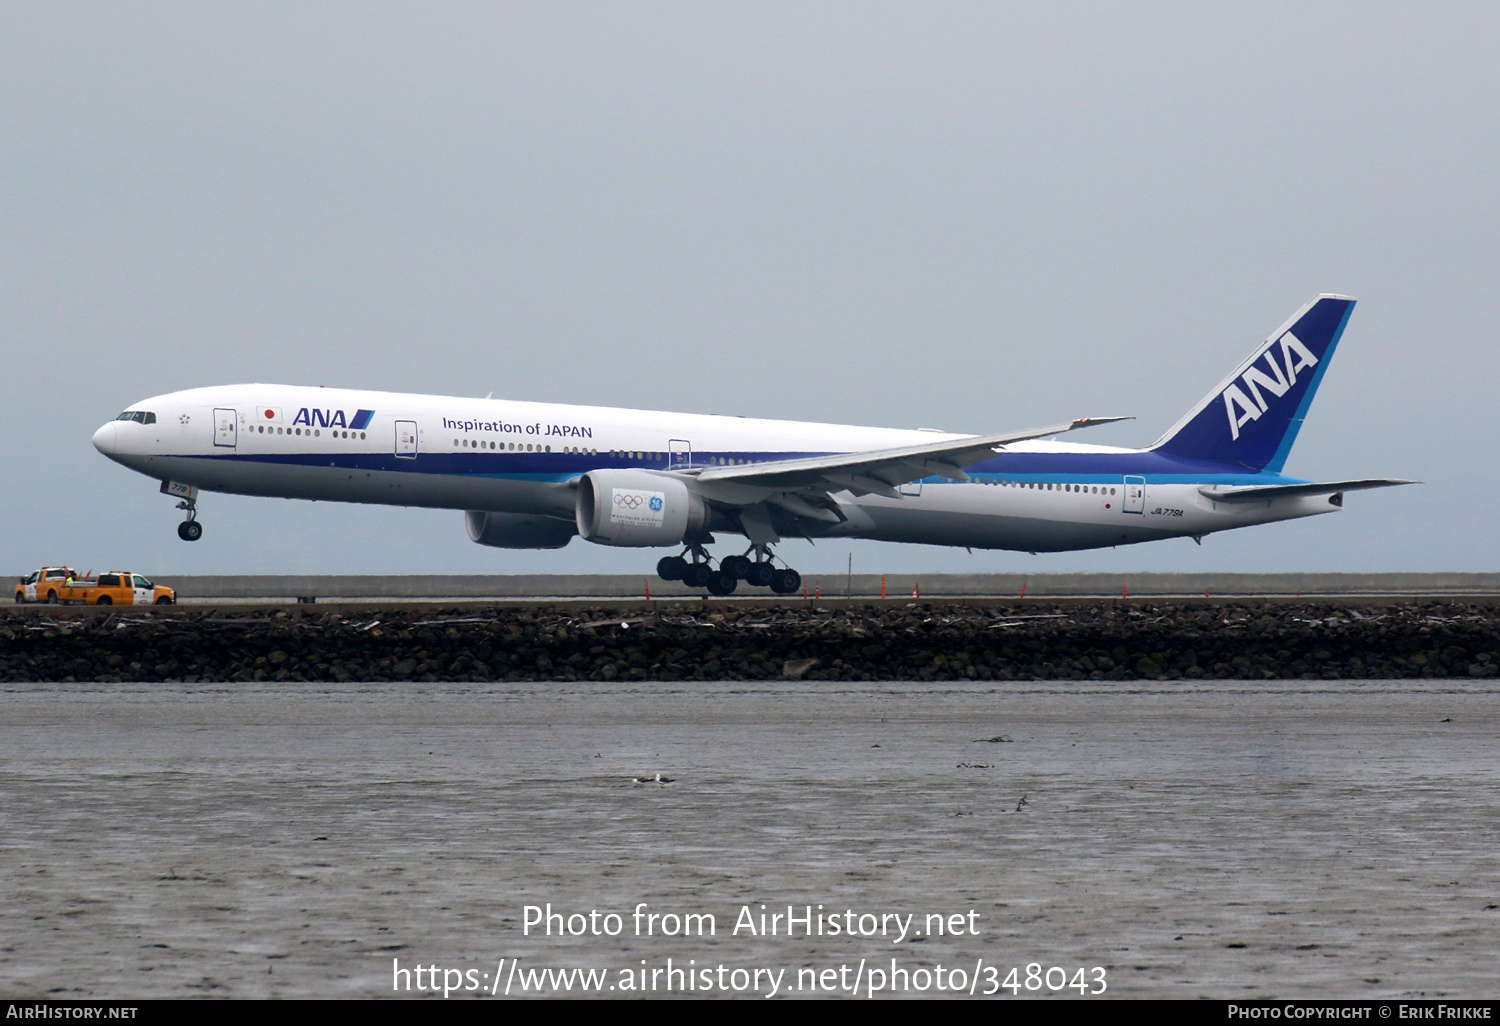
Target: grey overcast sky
{"type": "Point", "coordinates": [974, 217]}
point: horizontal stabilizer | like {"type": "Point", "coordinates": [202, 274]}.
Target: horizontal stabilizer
{"type": "Point", "coordinates": [1265, 493]}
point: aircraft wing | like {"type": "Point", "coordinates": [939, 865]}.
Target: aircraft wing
{"type": "Point", "coordinates": [1263, 493]}
{"type": "Point", "coordinates": [876, 471]}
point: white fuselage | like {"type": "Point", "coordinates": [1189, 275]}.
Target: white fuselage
{"type": "Point", "coordinates": [526, 458]}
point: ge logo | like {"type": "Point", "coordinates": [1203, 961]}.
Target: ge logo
{"type": "Point", "coordinates": [656, 503]}
{"type": "Point", "coordinates": [629, 501]}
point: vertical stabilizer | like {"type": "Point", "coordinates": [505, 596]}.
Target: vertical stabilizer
{"type": "Point", "coordinates": [1252, 418]}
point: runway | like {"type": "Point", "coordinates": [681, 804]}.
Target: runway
{"type": "Point", "coordinates": [1210, 838]}
{"type": "Point", "coordinates": [358, 590]}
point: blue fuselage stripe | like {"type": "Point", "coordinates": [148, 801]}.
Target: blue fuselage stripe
{"type": "Point", "coordinates": [1041, 468]}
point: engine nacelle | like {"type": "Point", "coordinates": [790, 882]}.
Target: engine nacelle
{"type": "Point", "coordinates": [638, 508]}
{"type": "Point", "coordinates": [517, 530]}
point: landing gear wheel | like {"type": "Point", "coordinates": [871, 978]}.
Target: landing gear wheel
{"type": "Point", "coordinates": [720, 583]}
{"type": "Point", "coordinates": [785, 582]}
{"type": "Point", "coordinates": [737, 567]}
{"type": "Point", "coordinates": [671, 568]}
{"type": "Point", "coordinates": [697, 575]}
{"type": "Point", "coordinates": [190, 530]}
{"type": "Point", "coordinates": [760, 575]}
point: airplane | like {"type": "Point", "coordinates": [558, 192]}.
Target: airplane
{"type": "Point", "coordinates": [535, 475]}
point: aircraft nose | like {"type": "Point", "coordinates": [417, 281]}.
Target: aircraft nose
{"type": "Point", "coordinates": [104, 439]}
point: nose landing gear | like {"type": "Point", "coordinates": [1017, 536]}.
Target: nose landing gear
{"type": "Point", "coordinates": [189, 529]}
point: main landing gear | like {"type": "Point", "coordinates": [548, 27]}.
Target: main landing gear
{"type": "Point", "coordinates": [759, 572]}
{"type": "Point", "coordinates": [189, 529]}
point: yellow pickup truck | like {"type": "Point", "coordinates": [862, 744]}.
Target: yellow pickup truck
{"type": "Point", "coordinates": [59, 585]}
{"type": "Point", "coordinates": [46, 585]}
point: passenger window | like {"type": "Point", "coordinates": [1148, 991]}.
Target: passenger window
{"type": "Point", "coordinates": [109, 581]}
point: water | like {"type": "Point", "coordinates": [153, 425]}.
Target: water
{"type": "Point", "coordinates": [1226, 839]}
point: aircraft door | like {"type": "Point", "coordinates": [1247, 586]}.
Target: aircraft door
{"type": "Point", "coordinates": [224, 428]}
{"type": "Point", "coordinates": [1135, 495]}
{"type": "Point", "coordinates": [681, 457]}
{"type": "Point", "coordinates": [406, 439]}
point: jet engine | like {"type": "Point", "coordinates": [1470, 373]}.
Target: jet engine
{"type": "Point", "coordinates": [638, 508]}
{"type": "Point", "coordinates": [517, 530]}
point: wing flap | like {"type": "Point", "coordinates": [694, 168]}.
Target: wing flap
{"type": "Point", "coordinates": [881, 471]}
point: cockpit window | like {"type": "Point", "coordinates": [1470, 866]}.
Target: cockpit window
{"type": "Point", "coordinates": [139, 416]}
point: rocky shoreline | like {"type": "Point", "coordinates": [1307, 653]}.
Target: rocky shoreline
{"type": "Point", "coordinates": [920, 641]}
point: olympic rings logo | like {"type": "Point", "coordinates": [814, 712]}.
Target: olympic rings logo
{"type": "Point", "coordinates": [627, 501]}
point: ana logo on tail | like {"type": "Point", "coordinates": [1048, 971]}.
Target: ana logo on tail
{"type": "Point", "coordinates": [1294, 357]}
